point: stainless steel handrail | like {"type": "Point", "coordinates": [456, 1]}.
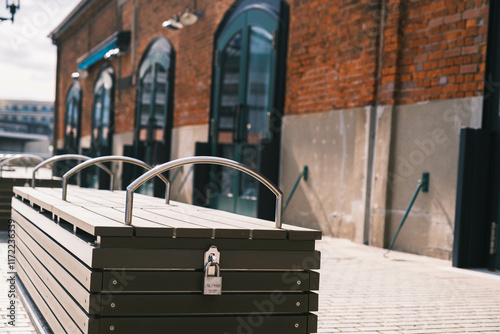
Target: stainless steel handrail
{"type": "Point", "coordinates": [67, 157]}
{"type": "Point", "coordinates": [19, 156]}
{"type": "Point", "coordinates": [201, 160]}
{"type": "Point", "coordinates": [109, 158]}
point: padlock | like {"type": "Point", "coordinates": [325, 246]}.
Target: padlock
{"type": "Point", "coordinates": [212, 284]}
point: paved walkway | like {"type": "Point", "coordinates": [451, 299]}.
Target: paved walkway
{"type": "Point", "coordinates": [363, 292]}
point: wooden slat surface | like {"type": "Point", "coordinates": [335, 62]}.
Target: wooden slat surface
{"type": "Point", "coordinates": [89, 210]}
{"type": "Point", "coordinates": [75, 214]}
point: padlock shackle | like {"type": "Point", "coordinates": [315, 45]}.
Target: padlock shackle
{"type": "Point", "coordinates": [217, 268]}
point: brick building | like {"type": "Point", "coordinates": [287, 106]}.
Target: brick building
{"type": "Point", "coordinates": [368, 94]}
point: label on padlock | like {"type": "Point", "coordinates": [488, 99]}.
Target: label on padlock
{"type": "Point", "coordinates": [213, 285]}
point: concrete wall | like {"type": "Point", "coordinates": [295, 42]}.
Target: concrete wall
{"type": "Point", "coordinates": [409, 140]}
{"type": "Point", "coordinates": [335, 147]}
{"type": "Point", "coordinates": [425, 138]}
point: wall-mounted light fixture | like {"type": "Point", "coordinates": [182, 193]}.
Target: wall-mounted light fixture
{"type": "Point", "coordinates": [186, 18]}
{"type": "Point", "coordinates": [112, 53]}
{"type": "Point", "coordinates": [173, 23]}
{"type": "Point", "coordinates": [12, 7]}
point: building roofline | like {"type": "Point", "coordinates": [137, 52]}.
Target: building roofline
{"type": "Point", "coordinates": [17, 101]}
{"type": "Point", "coordinates": [54, 34]}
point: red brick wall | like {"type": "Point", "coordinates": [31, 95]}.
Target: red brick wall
{"type": "Point", "coordinates": [432, 50]}
{"type": "Point", "coordinates": [98, 23]}
{"type": "Point", "coordinates": [332, 55]}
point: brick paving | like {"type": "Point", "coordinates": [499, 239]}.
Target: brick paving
{"type": "Point", "coordinates": [363, 292]}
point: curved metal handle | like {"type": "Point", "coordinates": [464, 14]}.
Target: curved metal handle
{"type": "Point", "coordinates": [108, 158]}
{"type": "Point", "coordinates": [201, 160]}
{"type": "Point", "coordinates": [18, 156]}
{"type": "Point", "coordinates": [67, 157]}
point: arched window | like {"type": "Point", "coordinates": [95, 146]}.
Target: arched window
{"type": "Point", "coordinates": [101, 134]}
{"type": "Point", "coordinates": [247, 102]}
{"type": "Point", "coordinates": [154, 110]}
{"type": "Point", "coordinates": [103, 115]}
{"type": "Point", "coordinates": [73, 118]}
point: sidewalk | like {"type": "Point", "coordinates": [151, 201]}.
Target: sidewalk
{"type": "Point", "coordinates": [363, 292]}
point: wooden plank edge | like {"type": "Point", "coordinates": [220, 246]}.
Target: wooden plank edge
{"type": "Point", "coordinates": [35, 315]}
{"type": "Point", "coordinates": [41, 304]}
{"type": "Point", "coordinates": [83, 273]}
{"type": "Point", "coordinates": [47, 292]}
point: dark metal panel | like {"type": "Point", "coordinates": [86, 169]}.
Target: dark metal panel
{"type": "Point", "coordinates": [222, 244]}
{"type": "Point", "coordinates": [313, 301]}
{"type": "Point", "coordinates": [304, 235]}
{"type": "Point", "coordinates": [470, 245]}
{"type": "Point", "coordinates": [192, 281]}
{"type": "Point", "coordinates": [314, 281]}
{"type": "Point", "coordinates": [192, 259]}
{"type": "Point", "coordinates": [201, 176]}
{"type": "Point", "coordinates": [254, 323]}
{"type": "Point", "coordinates": [191, 304]}
{"type": "Point", "coordinates": [312, 323]}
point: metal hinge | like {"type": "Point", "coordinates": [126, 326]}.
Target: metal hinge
{"type": "Point", "coordinates": [275, 35]}
{"type": "Point", "coordinates": [493, 238]}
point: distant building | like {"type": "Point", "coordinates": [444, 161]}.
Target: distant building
{"type": "Point", "coordinates": [26, 127]}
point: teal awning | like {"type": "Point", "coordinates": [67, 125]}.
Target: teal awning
{"type": "Point", "coordinates": [119, 40]}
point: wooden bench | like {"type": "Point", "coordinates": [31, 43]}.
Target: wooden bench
{"type": "Point", "coordinates": [88, 272]}
{"type": "Point", "coordinates": [18, 176]}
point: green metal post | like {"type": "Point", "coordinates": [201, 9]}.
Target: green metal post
{"type": "Point", "coordinates": [423, 184]}
{"type": "Point", "coordinates": [304, 174]}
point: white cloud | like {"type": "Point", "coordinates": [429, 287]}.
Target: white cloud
{"type": "Point", "coordinates": [27, 56]}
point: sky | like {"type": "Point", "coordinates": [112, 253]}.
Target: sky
{"type": "Point", "coordinates": [27, 55]}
